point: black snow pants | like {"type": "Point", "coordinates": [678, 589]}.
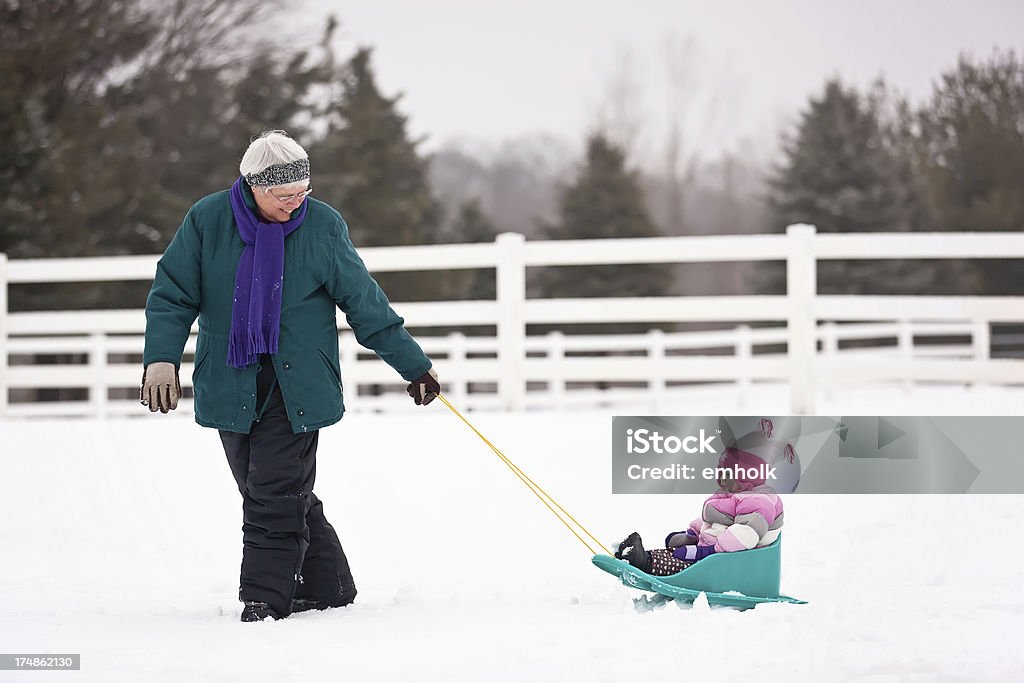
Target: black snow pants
{"type": "Point", "coordinates": [289, 549]}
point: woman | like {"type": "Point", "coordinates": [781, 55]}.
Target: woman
{"type": "Point", "coordinates": [263, 266]}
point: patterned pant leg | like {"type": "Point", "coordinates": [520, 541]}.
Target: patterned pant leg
{"type": "Point", "coordinates": [664, 563]}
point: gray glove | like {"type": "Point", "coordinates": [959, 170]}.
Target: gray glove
{"type": "Point", "coordinates": [680, 538]}
{"type": "Point", "coordinates": [160, 387]}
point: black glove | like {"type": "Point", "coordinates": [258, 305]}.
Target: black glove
{"type": "Point", "coordinates": [424, 388]}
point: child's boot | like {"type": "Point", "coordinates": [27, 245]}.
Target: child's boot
{"type": "Point", "coordinates": [632, 550]}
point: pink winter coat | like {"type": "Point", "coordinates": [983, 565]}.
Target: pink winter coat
{"type": "Point", "coordinates": [740, 521]}
{"type": "Point", "coordinates": [733, 521]}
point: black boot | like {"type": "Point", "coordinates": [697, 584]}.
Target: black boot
{"type": "Point", "coordinates": [258, 611]}
{"type": "Point", "coordinates": [347, 597]}
{"type": "Point", "coordinates": [626, 544]}
{"type": "Point", "coordinates": [632, 550]}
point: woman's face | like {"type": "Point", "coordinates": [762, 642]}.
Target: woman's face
{"type": "Point", "coordinates": [277, 203]}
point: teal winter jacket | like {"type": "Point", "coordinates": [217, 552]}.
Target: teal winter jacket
{"type": "Point", "coordinates": [196, 277]}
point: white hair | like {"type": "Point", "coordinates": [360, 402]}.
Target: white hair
{"type": "Point", "coordinates": [270, 148]}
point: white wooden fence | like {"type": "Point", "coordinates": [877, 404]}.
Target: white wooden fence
{"type": "Point", "coordinates": [514, 371]}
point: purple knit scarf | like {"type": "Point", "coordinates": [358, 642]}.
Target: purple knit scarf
{"type": "Point", "coordinates": [256, 311]}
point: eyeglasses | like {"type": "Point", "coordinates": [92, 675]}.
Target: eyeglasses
{"type": "Point", "coordinates": [284, 199]}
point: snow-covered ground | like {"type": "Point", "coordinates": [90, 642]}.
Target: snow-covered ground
{"type": "Point", "coordinates": [120, 541]}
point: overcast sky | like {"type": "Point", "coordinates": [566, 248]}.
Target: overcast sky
{"type": "Point", "coordinates": [492, 71]}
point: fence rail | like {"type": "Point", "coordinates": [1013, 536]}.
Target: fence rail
{"type": "Point", "coordinates": [809, 347]}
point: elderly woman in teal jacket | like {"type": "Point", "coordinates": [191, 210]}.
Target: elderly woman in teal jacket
{"type": "Point", "coordinates": [263, 266]}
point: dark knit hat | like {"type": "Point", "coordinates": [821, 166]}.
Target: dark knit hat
{"type": "Point", "coordinates": [280, 174]}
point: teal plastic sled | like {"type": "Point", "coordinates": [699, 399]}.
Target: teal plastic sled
{"type": "Point", "coordinates": [742, 579]}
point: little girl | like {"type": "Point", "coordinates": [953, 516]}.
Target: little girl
{"type": "Point", "coordinates": [744, 514]}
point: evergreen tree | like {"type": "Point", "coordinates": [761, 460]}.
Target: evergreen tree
{"type": "Point", "coordinates": [839, 168]}
{"type": "Point", "coordinates": [368, 168]}
{"type": "Point", "coordinates": [54, 59]}
{"type": "Point", "coordinates": [605, 201]}
{"type": "Point", "coordinates": [193, 113]}
{"type": "Point", "coordinates": [120, 116]}
{"type": "Point", "coordinates": [846, 170]}
{"type": "Point", "coordinates": [972, 159]}
{"type": "Point", "coordinates": [374, 172]}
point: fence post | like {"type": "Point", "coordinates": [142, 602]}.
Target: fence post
{"type": "Point", "coordinates": [802, 345]}
{"type": "Point", "coordinates": [744, 350]}
{"type": "Point", "coordinates": [656, 356]}
{"type": "Point", "coordinates": [556, 354]}
{"type": "Point", "coordinates": [905, 350]}
{"type": "Point", "coordinates": [97, 367]}
{"type": "Point", "coordinates": [829, 351]}
{"type": "Point", "coordinates": [3, 334]}
{"type": "Point", "coordinates": [457, 359]}
{"type": "Point", "coordinates": [511, 299]}
{"type": "Point", "coordinates": [981, 341]}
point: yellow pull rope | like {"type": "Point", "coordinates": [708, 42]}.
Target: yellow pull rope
{"type": "Point", "coordinates": [532, 485]}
